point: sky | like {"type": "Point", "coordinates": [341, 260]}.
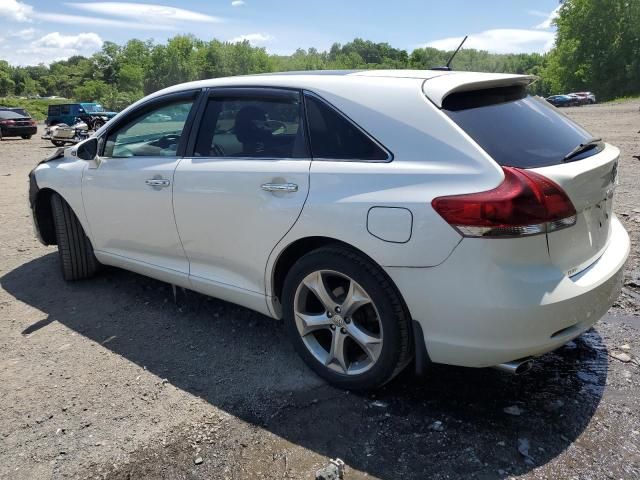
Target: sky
{"type": "Point", "coordinates": [35, 31]}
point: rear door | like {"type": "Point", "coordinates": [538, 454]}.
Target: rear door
{"type": "Point", "coordinates": [521, 131]}
{"type": "Point", "coordinates": [243, 187]}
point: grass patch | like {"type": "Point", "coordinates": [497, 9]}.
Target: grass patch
{"type": "Point", "coordinates": [623, 99]}
{"type": "Point", "coordinates": [37, 107]}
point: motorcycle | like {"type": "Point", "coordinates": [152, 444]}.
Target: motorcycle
{"type": "Point", "coordinates": [62, 134]}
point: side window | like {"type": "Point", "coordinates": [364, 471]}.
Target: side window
{"type": "Point", "coordinates": [335, 137]}
{"type": "Point", "coordinates": [155, 133]}
{"type": "Point", "coordinates": [54, 111]}
{"type": "Point", "coordinates": [252, 126]}
{"type": "Point", "coordinates": [65, 109]}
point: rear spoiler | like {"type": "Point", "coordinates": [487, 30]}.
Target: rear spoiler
{"type": "Point", "coordinates": [438, 88]}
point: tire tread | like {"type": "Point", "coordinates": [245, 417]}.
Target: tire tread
{"type": "Point", "coordinates": [76, 253]}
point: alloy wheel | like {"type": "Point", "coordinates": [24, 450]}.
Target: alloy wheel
{"type": "Point", "coordinates": [338, 322]}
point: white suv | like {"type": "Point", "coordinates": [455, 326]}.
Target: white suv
{"type": "Point", "coordinates": [385, 215]}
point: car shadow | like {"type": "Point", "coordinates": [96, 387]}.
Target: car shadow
{"type": "Point", "coordinates": [449, 424]}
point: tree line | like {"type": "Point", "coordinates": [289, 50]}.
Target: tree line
{"type": "Point", "coordinates": [597, 48]}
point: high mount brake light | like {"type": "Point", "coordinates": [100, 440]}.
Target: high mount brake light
{"type": "Point", "coordinates": [525, 203]}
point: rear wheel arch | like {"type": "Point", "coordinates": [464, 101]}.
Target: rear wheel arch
{"type": "Point", "coordinates": [299, 248]}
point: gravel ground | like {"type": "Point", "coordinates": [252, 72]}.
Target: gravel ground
{"type": "Point", "coordinates": [112, 378]}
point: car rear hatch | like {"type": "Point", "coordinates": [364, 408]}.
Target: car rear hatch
{"type": "Point", "coordinates": [525, 132]}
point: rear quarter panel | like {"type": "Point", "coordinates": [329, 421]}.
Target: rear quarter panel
{"type": "Point", "coordinates": [431, 157]}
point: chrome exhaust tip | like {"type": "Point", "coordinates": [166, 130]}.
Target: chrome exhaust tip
{"type": "Point", "coordinates": [517, 367]}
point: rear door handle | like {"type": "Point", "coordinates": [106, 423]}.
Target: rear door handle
{"type": "Point", "coordinates": [157, 182]}
{"type": "Point", "coordinates": [279, 187]}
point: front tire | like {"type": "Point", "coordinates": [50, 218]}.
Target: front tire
{"type": "Point", "coordinates": [76, 253]}
{"type": "Point", "coordinates": [346, 319]}
{"type": "Point", "coordinates": [57, 143]}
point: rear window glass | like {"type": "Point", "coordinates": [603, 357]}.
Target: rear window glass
{"type": "Point", "coordinates": [8, 114]}
{"type": "Point", "coordinates": [516, 129]}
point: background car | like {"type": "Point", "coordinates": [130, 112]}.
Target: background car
{"type": "Point", "coordinates": [16, 124]}
{"type": "Point", "coordinates": [587, 98]}
{"type": "Point", "coordinates": [563, 101]}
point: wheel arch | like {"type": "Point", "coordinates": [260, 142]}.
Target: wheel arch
{"type": "Point", "coordinates": [300, 247]}
{"type": "Point", "coordinates": [43, 215]}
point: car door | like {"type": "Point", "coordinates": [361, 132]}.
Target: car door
{"type": "Point", "coordinates": [242, 189]}
{"type": "Point", "coordinates": [128, 196]}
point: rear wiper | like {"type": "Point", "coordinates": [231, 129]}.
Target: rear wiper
{"type": "Point", "coordinates": [583, 147]}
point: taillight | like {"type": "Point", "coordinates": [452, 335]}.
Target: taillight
{"type": "Point", "coordinates": [525, 203]}
{"type": "Point", "coordinates": [8, 122]}
{"type": "Point", "coordinates": [33, 123]}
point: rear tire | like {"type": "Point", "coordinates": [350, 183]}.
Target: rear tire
{"type": "Point", "coordinates": [370, 328]}
{"type": "Point", "coordinates": [76, 253]}
{"type": "Point", "coordinates": [57, 143]}
{"type": "Point", "coordinates": [26, 137]}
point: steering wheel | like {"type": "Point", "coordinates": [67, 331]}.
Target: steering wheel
{"type": "Point", "coordinates": [218, 150]}
{"type": "Point", "coordinates": [276, 126]}
{"type": "Point", "coordinates": [167, 141]}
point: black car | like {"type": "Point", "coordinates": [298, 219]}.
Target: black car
{"type": "Point", "coordinates": [16, 122]}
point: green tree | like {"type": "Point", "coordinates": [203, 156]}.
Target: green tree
{"type": "Point", "coordinates": [597, 48]}
{"type": "Point", "coordinates": [91, 91]}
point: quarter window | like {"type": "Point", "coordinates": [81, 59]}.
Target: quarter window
{"type": "Point", "coordinates": [254, 126]}
{"type": "Point", "coordinates": [155, 133]}
{"type": "Point", "coordinates": [334, 137]}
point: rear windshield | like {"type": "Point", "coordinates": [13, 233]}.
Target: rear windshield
{"type": "Point", "coordinates": [8, 114]}
{"type": "Point", "coordinates": [516, 129]}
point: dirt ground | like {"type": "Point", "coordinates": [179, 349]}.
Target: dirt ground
{"type": "Point", "coordinates": [110, 378]}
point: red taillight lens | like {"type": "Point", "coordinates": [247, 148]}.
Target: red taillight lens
{"type": "Point", "coordinates": [33, 123]}
{"type": "Point", "coordinates": [525, 203]}
{"type": "Point", "coordinates": [7, 122]}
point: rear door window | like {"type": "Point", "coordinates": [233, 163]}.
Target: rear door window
{"type": "Point", "coordinates": [516, 129]}
{"type": "Point", "coordinates": [252, 123]}
{"type": "Point", "coordinates": [335, 137]}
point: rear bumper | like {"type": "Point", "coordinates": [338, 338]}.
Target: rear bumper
{"type": "Point", "coordinates": [476, 312]}
{"type": "Point", "coordinates": [19, 131]}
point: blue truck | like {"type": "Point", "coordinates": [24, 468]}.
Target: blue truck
{"type": "Point", "coordinates": [69, 113]}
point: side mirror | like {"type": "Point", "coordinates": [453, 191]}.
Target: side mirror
{"type": "Point", "coordinates": [88, 150]}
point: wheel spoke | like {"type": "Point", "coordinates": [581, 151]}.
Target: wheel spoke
{"type": "Point", "coordinates": [337, 354]}
{"type": "Point", "coordinates": [314, 283]}
{"type": "Point", "coordinates": [356, 297]}
{"type": "Point", "coordinates": [368, 343]}
{"type": "Point", "coordinates": [310, 323]}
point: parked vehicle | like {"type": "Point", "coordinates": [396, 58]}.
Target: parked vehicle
{"type": "Point", "coordinates": [563, 101]}
{"type": "Point", "coordinates": [61, 135]}
{"type": "Point", "coordinates": [586, 98]}
{"type": "Point", "coordinates": [17, 123]}
{"type": "Point", "coordinates": [91, 113]}
{"type": "Point", "coordinates": [384, 215]}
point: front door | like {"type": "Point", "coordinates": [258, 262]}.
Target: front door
{"type": "Point", "coordinates": [128, 196]}
{"type": "Point", "coordinates": [243, 188]}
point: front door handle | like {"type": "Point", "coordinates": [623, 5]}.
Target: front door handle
{"type": "Point", "coordinates": [158, 182]}
{"type": "Point", "coordinates": [279, 187]}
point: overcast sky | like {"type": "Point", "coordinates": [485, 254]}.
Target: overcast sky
{"type": "Point", "coordinates": [34, 31]}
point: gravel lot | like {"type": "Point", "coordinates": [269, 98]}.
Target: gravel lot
{"type": "Point", "coordinates": [110, 378]}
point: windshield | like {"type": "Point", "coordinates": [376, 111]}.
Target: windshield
{"type": "Point", "coordinates": [516, 129]}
